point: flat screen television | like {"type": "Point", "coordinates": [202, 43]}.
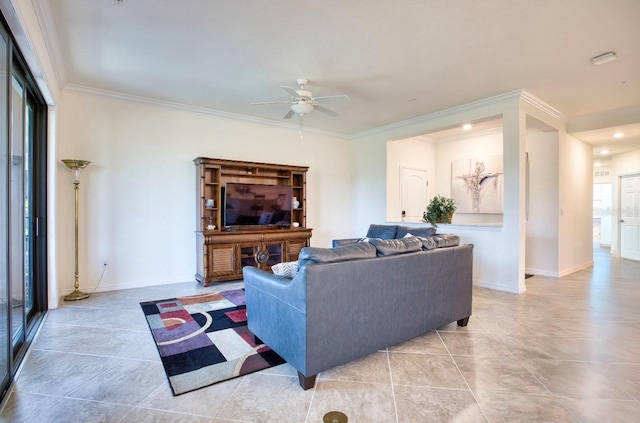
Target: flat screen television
{"type": "Point", "coordinates": [257, 205]}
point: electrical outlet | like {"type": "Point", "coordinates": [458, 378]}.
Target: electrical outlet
{"type": "Point", "coordinates": [105, 263]}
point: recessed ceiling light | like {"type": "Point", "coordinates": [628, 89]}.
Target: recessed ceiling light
{"type": "Point", "coordinates": [603, 58]}
{"type": "Point", "coordinates": [618, 135]}
{"type": "Point", "coordinates": [597, 164]}
{"type": "Point", "coordinates": [604, 151]}
{"type": "Point", "coordinates": [467, 126]}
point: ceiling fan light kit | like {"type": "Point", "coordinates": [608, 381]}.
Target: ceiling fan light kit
{"type": "Point", "coordinates": [302, 107]}
{"type": "Point", "coordinates": [303, 102]}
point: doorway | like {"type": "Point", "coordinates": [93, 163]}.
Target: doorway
{"type": "Point", "coordinates": [413, 193]}
{"type": "Point", "coordinates": [23, 209]}
{"type": "Point", "coordinates": [630, 217]}
{"type": "Point", "coordinates": [602, 202]}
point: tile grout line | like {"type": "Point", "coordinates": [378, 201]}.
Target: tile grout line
{"type": "Point", "coordinates": [463, 378]}
{"type": "Point", "coordinates": [393, 390]}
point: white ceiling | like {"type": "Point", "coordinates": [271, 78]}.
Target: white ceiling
{"type": "Point", "coordinates": [395, 60]}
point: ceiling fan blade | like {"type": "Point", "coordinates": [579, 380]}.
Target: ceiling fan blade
{"type": "Point", "coordinates": [270, 102]}
{"type": "Point", "coordinates": [288, 115]}
{"type": "Point", "coordinates": [326, 111]}
{"type": "Point", "coordinates": [291, 92]}
{"type": "Point", "coordinates": [340, 97]}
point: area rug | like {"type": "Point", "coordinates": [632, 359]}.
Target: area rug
{"type": "Point", "coordinates": [203, 339]}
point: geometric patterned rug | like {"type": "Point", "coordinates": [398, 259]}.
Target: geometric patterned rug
{"type": "Point", "coordinates": [203, 339]}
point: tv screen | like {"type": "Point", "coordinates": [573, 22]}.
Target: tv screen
{"type": "Point", "coordinates": [257, 204]}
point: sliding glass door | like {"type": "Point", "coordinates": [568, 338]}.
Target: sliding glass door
{"type": "Point", "coordinates": [23, 263]}
{"type": "Point", "coordinates": [5, 303]}
{"type": "Point", "coordinates": [20, 234]}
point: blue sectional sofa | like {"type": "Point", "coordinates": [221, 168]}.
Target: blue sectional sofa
{"type": "Point", "coordinates": [349, 301]}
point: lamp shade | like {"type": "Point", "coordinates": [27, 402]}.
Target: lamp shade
{"type": "Point", "coordinates": [302, 108]}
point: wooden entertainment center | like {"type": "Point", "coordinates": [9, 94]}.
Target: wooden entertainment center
{"type": "Point", "coordinates": [222, 251]}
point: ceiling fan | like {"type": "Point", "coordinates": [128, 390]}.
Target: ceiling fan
{"type": "Point", "coordinates": [303, 102]}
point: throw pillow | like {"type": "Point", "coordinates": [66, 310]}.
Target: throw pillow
{"type": "Point", "coordinates": [423, 232]}
{"type": "Point", "coordinates": [382, 231]}
{"type": "Point", "coordinates": [288, 269]}
{"type": "Point", "coordinates": [390, 247]}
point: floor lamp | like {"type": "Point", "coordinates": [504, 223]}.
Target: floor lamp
{"type": "Point", "coordinates": [76, 165]}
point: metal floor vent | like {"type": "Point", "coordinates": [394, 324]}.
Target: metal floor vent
{"type": "Point", "coordinates": [335, 417]}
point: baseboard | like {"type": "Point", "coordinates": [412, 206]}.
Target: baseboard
{"type": "Point", "coordinates": [560, 274]}
{"type": "Point", "coordinates": [540, 272]}
{"type": "Point", "coordinates": [574, 269]}
{"type": "Point", "coordinates": [122, 286]}
{"type": "Point", "coordinates": [499, 286]}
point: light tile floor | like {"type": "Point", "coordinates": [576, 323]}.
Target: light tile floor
{"type": "Point", "coordinates": [567, 350]}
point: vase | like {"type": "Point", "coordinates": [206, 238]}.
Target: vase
{"type": "Point", "coordinates": [295, 202]}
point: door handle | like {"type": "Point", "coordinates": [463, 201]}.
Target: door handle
{"type": "Point", "coordinates": [621, 221]}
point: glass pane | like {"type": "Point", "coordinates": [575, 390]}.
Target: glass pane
{"type": "Point", "coordinates": [28, 211]}
{"type": "Point", "coordinates": [17, 212]}
{"type": "Point", "coordinates": [4, 217]}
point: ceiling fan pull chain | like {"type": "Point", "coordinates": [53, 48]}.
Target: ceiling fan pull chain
{"type": "Point", "coordinates": [301, 128]}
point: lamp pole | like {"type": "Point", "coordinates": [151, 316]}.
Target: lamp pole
{"type": "Point", "coordinates": [76, 165]}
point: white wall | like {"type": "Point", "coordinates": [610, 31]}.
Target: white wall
{"type": "Point", "coordinates": [575, 191]}
{"type": "Point", "coordinates": [137, 197]}
{"type": "Point", "coordinates": [575, 248]}
{"type": "Point", "coordinates": [541, 256]}
{"type": "Point", "coordinates": [497, 259]}
{"type": "Point", "coordinates": [622, 164]}
{"type": "Point", "coordinates": [489, 143]}
{"type": "Point", "coordinates": [415, 152]}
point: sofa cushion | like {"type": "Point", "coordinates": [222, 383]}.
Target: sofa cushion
{"type": "Point", "coordinates": [428, 243]}
{"type": "Point", "coordinates": [359, 250]}
{"type": "Point", "coordinates": [382, 231]}
{"type": "Point", "coordinates": [439, 241]}
{"type": "Point", "coordinates": [446, 240]}
{"type": "Point", "coordinates": [288, 269]}
{"type": "Point", "coordinates": [390, 247]}
{"type": "Point", "coordinates": [424, 232]}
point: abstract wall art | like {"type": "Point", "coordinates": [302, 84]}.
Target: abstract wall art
{"type": "Point", "coordinates": [477, 183]}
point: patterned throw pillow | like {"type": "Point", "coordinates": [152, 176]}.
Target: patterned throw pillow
{"type": "Point", "coordinates": [288, 269]}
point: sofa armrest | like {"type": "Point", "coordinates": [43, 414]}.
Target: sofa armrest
{"type": "Point", "coordinates": [344, 241]}
{"type": "Point", "coordinates": [287, 290]}
{"type": "Point", "coordinates": [276, 313]}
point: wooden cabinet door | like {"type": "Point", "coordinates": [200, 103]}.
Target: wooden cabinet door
{"type": "Point", "coordinates": [293, 248]}
{"type": "Point", "coordinates": [222, 260]}
{"type": "Point", "coordinates": [274, 253]}
{"type": "Point", "coordinates": [262, 255]}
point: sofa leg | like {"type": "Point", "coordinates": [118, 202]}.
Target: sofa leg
{"type": "Point", "coordinates": [306, 382]}
{"type": "Point", "coordinates": [463, 322]}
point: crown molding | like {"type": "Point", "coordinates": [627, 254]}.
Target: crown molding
{"type": "Point", "coordinates": [534, 101]}
{"type": "Point", "coordinates": [22, 17]}
{"type": "Point", "coordinates": [47, 25]}
{"type": "Point", "coordinates": [148, 101]}
{"type": "Point", "coordinates": [619, 117]}
{"type": "Point", "coordinates": [512, 95]}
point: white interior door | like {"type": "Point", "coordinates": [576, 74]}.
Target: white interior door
{"type": "Point", "coordinates": [629, 217]}
{"type": "Point", "coordinates": [413, 193]}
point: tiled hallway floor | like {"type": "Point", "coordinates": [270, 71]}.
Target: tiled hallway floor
{"type": "Point", "coordinates": [567, 350]}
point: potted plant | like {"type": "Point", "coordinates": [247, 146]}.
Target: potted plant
{"type": "Point", "coordinates": [439, 210]}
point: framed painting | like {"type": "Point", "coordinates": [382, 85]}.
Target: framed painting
{"type": "Point", "coordinates": [477, 184]}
